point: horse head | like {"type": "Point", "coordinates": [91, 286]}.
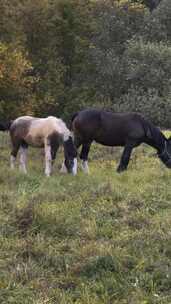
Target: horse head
{"type": "Point", "coordinates": [70, 154]}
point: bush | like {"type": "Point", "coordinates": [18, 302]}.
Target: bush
{"type": "Point", "coordinates": [148, 80]}
{"type": "Point", "coordinates": [158, 24]}
{"type": "Point", "coordinates": [153, 106]}
{"type": "Point", "coordinates": [148, 66]}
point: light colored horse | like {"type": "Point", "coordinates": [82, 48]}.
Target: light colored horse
{"type": "Point", "coordinates": [50, 133]}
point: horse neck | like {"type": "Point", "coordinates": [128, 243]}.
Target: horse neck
{"type": "Point", "coordinates": [156, 139]}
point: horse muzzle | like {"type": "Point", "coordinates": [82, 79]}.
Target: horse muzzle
{"type": "Point", "coordinates": [71, 166]}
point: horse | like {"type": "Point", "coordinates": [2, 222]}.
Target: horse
{"type": "Point", "coordinates": [48, 133]}
{"type": "Point", "coordinates": [117, 129]}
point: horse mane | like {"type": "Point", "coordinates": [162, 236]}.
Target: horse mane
{"type": "Point", "coordinates": [152, 132]}
{"type": "Point", "coordinates": [74, 115]}
{"type": "Point", "coordinates": [72, 119]}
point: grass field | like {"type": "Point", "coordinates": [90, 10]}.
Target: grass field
{"type": "Point", "coordinates": [88, 239]}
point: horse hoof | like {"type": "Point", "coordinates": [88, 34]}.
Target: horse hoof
{"type": "Point", "coordinates": [120, 170]}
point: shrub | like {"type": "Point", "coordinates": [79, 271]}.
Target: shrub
{"type": "Point", "coordinates": [148, 102]}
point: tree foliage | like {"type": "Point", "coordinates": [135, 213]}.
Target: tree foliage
{"type": "Point", "coordinates": [70, 54]}
{"type": "Point", "coordinates": [15, 86]}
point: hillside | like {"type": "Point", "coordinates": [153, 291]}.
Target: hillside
{"type": "Point", "coordinates": [101, 238]}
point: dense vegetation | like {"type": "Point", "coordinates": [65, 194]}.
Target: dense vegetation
{"type": "Point", "coordinates": [99, 239]}
{"type": "Point", "coordinates": [57, 56]}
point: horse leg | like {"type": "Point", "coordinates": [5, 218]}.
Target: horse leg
{"type": "Point", "coordinates": [48, 159]}
{"type": "Point", "coordinates": [63, 167]}
{"type": "Point", "coordinates": [15, 148]}
{"type": "Point", "coordinates": [54, 149]}
{"type": "Point", "coordinates": [125, 158]}
{"type": "Point", "coordinates": [23, 157]}
{"type": "Point", "coordinates": [84, 157]}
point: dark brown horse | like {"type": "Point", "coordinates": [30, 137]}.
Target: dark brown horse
{"type": "Point", "coordinates": [117, 129]}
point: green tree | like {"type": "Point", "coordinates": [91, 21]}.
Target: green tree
{"type": "Point", "coordinates": [116, 25]}
{"type": "Point", "coordinates": [147, 70]}
{"type": "Point", "coordinates": [10, 22]}
{"type": "Point", "coordinates": [157, 25]}
{"type": "Point", "coordinates": [57, 39]}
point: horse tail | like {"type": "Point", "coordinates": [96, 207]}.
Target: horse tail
{"type": "Point", "coordinates": [5, 126]}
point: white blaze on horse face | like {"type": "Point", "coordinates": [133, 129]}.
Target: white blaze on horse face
{"type": "Point", "coordinates": [48, 160]}
{"type": "Point", "coordinates": [63, 168]}
{"type": "Point", "coordinates": [72, 135]}
{"type": "Point", "coordinates": [74, 169]}
{"type": "Point", "coordinates": [12, 161]}
{"type": "Point", "coordinates": [85, 167]}
{"type": "Point", "coordinates": [23, 157]}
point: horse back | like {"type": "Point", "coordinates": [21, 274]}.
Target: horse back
{"type": "Point", "coordinates": [38, 131]}
{"type": "Point", "coordinates": [108, 128]}
{"type": "Point", "coordinates": [116, 129]}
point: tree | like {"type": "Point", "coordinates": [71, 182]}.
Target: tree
{"type": "Point", "coordinates": [15, 86]}
{"type": "Point", "coordinates": [147, 67]}
{"type": "Point", "coordinates": [57, 39]}
{"type": "Point", "coordinates": [10, 22]}
{"type": "Point", "coordinates": [116, 25]}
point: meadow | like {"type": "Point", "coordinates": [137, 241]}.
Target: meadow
{"type": "Point", "coordinates": [102, 238]}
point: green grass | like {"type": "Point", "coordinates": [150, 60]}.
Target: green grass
{"type": "Point", "coordinates": [88, 239]}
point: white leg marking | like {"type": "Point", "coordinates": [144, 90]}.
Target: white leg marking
{"type": "Point", "coordinates": [72, 135]}
{"type": "Point", "coordinates": [23, 157]}
{"type": "Point", "coordinates": [63, 168]}
{"type": "Point", "coordinates": [74, 170]}
{"type": "Point", "coordinates": [12, 162]}
{"type": "Point", "coordinates": [48, 160]}
{"type": "Point", "coordinates": [85, 167]}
